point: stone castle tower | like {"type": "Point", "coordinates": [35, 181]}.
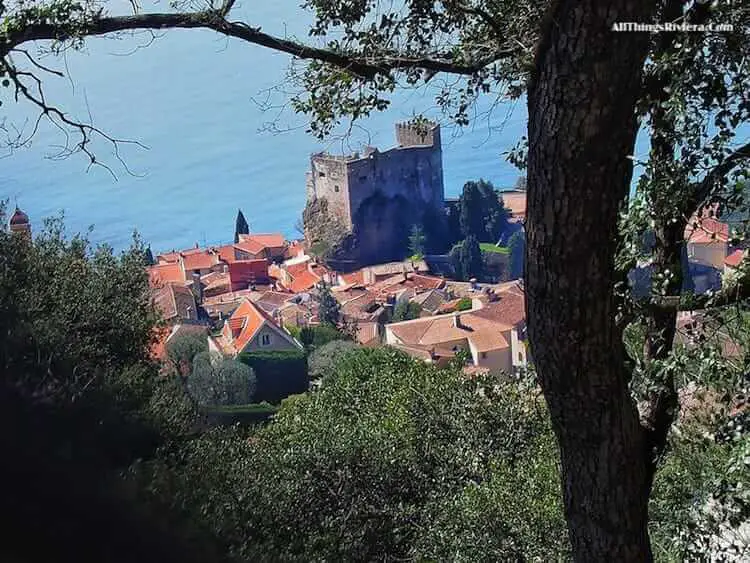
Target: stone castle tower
{"type": "Point", "coordinates": [411, 171]}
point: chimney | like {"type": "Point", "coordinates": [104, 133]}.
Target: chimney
{"type": "Point", "coordinates": [197, 288]}
{"type": "Point", "coordinates": [226, 268]}
{"type": "Point", "coordinates": [457, 321]}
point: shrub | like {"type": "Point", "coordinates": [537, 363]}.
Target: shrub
{"type": "Point", "coordinates": [464, 304]}
{"type": "Point", "coordinates": [278, 373]}
{"type": "Point", "coordinates": [313, 337]}
{"type": "Point", "coordinates": [220, 381]}
{"type": "Point", "coordinates": [322, 360]}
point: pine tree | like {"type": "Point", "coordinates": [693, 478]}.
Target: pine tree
{"type": "Point", "coordinates": [148, 256]}
{"type": "Point", "coordinates": [329, 311]}
{"type": "Point", "coordinates": [241, 226]}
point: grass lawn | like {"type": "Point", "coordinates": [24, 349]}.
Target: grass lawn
{"type": "Point", "coordinates": [489, 247]}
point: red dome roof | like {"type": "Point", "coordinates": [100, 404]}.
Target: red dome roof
{"type": "Point", "coordinates": [19, 218]}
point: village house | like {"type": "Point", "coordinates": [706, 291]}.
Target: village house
{"type": "Point", "coordinates": [271, 246]}
{"type": "Point", "coordinates": [251, 329]}
{"type": "Point", "coordinates": [175, 303]}
{"type": "Point", "coordinates": [493, 335]}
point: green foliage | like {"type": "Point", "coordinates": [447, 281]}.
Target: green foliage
{"type": "Point", "coordinates": [517, 247]}
{"type": "Point", "coordinates": [329, 311]}
{"type": "Point", "coordinates": [293, 330]}
{"type": "Point", "coordinates": [313, 337]}
{"type": "Point", "coordinates": [467, 259]}
{"type": "Point", "coordinates": [243, 415]}
{"type": "Point", "coordinates": [241, 227]}
{"type": "Point", "coordinates": [493, 248]}
{"type": "Point", "coordinates": [323, 358]}
{"type": "Point", "coordinates": [278, 373]}
{"type": "Point", "coordinates": [378, 465]}
{"type": "Point", "coordinates": [182, 350]}
{"type": "Point", "coordinates": [406, 311]}
{"type": "Point", "coordinates": [84, 401]}
{"type": "Point", "coordinates": [216, 380]}
{"type": "Point", "coordinates": [417, 240]}
{"type": "Point", "coordinates": [482, 213]}
{"type": "Point", "coordinates": [148, 257]}
{"type": "Point", "coordinates": [464, 304]}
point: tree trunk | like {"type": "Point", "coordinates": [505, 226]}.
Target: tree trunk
{"type": "Point", "coordinates": [582, 129]}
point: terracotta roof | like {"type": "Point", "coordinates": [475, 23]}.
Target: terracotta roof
{"type": "Point", "coordinates": [302, 278]}
{"type": "Point", "coordinates": [202, 260]}
{"type": "Point", "coordinates": [165, 273]}
{"type": "Point", "coordinates": [734, 259]}
{"type": "Point", "coordinates": [276, 298]}
{"type": "Point", "coordinates": [367, 333]}
{"type": "Point", "coordinates": [175, 301]}
{"type": "Point", "coordinates": [354, 278]}
{"type": "Point", "coordinates": [516, 202]}
{"type": "Point", "coordinates": [245, 323]}
{"type": "Point", "coordinates": [226, 253]}
{"type": "Point", "coordinates": [270, 240]}
{"type": "Point", "coordinates": [257, 243]}
{"type": "Point", "coordinates": [244, 272]}
{"type": "Point", "coordinates": [706, 230]}
{"type": "Point", "coordinates": [484, 334]}
{"type": "Point", "coordinates": [509, 309]}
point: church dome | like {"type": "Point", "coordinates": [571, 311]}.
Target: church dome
{"type": "Point", "coordinates": [19, 218]}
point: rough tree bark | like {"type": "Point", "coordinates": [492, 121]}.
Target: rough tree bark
{"type": "Point", "coordinates": [582, 129]}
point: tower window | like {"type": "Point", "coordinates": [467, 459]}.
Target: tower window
{"type": "Point", "coordinates": [336, 188]}
{"type": "Point", "coordinates": [321, 174]}
{"type": "Point", "coordinates": [363, 178]}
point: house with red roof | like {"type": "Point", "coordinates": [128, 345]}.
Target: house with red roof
{"type": "Point", "coordinates": [707, 241]}
{"type": "Point", "coordinates": [165, 273]}
{"type": "Point", "coordinates": [271, 246]}
{"type": "Point", "coordinates": [250, 329]}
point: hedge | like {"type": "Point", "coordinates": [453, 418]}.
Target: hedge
{"type": "Point", "coordinates": [278, 373]}
{"type": "Point", "coordinates": [245, 415]}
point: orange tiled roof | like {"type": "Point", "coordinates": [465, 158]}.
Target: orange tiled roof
{"type": "Point", "coordinates": [175, 301]}
{"type": "Point", "coordinates": [440, 331]}
{"type": "Point", "coordinates": [354, 278]}
{"type": "Point", "coordinates": [734, 259]}
{"type": "Point", "coordinates": [249, 318]}
{"type": "Point", "coordinates": [257, 243]}
{"type": "Point", "coordinates": [165, 273]}
{"type": "Point", "coordinates": [516, 202]}
{"type": "Point", "coordinates": [509, 309]}
{"type": "Point", "coordinates": [706, 230]}
{"type": "Point", "coordinates": [202, 260]}
{"type": "Point", "coordinates": [226, 253]}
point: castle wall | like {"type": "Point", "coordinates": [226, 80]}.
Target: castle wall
{"type": "Point", "coordinates": [413, 170]}
{"type": "Point", "coordinates": [415, 173]}
{"type": "Point", "coordinates": [330, 180]}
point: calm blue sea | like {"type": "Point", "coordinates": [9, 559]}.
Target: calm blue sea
{"type": "Point", "coordinates": [192, 98]}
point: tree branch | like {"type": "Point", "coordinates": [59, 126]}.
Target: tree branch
{"type": "Point", "coordinates": [366, 67]}
{"type": "Point", "coordinates": [702, 191]}
{"type": "Point", "coordinates": [735, 293]}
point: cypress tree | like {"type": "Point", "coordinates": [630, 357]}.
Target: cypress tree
{"type": "Point", "coordinates": [149, 256]}
{"type": "Point", "coordinates": [241, 226]}
{"type": "Point", "coordinates": [517, 244]}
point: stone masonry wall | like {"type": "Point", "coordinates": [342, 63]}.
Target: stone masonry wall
{"type": "Point", "coordinates": [412, 172]}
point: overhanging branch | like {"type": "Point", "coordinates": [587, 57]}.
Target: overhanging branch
{"type": "Point", "coordinates": [366, 67]}
{"type": "Point", "coordinates": [703, 190]}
